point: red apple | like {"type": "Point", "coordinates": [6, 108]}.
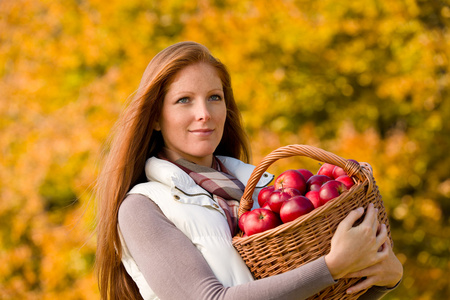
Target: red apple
{"type": "Point", "coordinates": [330, 190]}
{"type": "Point", "coordinates": [306, 173]}
{"type": "Point", "coordinates": [259, 220]}
{"type": "Point", "coordinates": [355, 161]}
{"type": "Point", "coordinates": [292, 192]}
{"type": "Point", "coordinates": [313, 196]}
{"type": "Point", "coordinates": [279, 196]}
{"type": "Point", "coordinates": [347, 180]}
{"type": "Point", "coordinates": [326, 169]}
{"type": "Point", "coordinates": [291, 178]}
{"type": "Point", "coordinates": [241, 221]}
{"type": "Point", "coordinates": [264, 194]}
{"type": "Point", "coordinates": [266, 205]}
{"type": "Point", "coordinates": [338, 171]}
{"type": "Point", "coordinates": [295, 207]}
{"type": "Point", "coordinates": [316, 181]}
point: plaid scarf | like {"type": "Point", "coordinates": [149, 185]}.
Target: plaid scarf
{"type": "Point", "coordinates": [226, 190]}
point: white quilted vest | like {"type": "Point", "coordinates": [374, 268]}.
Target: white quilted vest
{"type": "Point", "coordinates": [197, 215]}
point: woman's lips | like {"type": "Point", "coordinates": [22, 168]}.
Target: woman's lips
{"type": "Point", "coordinates": [202, 132]}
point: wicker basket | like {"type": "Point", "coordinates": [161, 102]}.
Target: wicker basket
{"type": "Point", "coordinates": [307, 238]}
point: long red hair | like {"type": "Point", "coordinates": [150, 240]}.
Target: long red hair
{"type": "Point", "coordinates": [134, 140]}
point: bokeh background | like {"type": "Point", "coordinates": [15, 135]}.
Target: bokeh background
{"type": "Point", "coordinates": [365, 79]}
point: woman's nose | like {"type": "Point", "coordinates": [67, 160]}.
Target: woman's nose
{"type": "Point", "coordinates": [202, 111]}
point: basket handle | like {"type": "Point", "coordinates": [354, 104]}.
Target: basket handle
{"type": "Point", "coordinates": [359, 171]}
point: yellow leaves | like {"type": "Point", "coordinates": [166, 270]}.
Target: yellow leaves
{"type": "Point", "coordinates": [427, 208]}
{"type": "Point", "coordinates": [364, 79]}
{"type": "Point", "coordinates": [345, 88]}
{"type": "Point", "coordinates": [444, 188]}
{"type": "Point", "coordinates": [434, 122]}
{"type": "Point", "coordinates": [400, 211]}
{"type": "Point", "coordinates": [445, 12]}
{"type": "Point", "coordinates": [430, 209]}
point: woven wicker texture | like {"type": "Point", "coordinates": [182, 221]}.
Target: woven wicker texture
{"type": "Point", "coordinates": [307, 238]}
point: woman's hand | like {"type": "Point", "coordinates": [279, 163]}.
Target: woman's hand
{"type": "Point", "coordinates": [386, 273]}
{"type": "Point", "coordinates": [356, 248]}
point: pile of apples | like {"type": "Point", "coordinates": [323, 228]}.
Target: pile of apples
{"type": "Point", "coordinates": [294, 194]}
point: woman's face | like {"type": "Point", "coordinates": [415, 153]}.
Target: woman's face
{"type": "Point", "coordinates": [193, 114]}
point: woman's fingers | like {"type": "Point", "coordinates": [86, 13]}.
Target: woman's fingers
{"type": "Point", "coordinates": [375, 223]}
{"type": "Point", "coordinates": [383, 253]}
{"type": "Point", "coordinates": [371, 217]}
{"type": "Point", "coordinates": [369, 271]}
{"type": "Point", "coordinates": [382, 235]}
{"type": "Point", "coordinates": [355, 248]}
{"type": "Point", "coordinates": [387, 239]}
{"type": "Point", "coordinates": [387, 272]}
{"type": "Point", "coordinates": [362, 285]}
{"type": "Point", "coordinates": [351, 218]}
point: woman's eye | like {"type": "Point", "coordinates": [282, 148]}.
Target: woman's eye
{"type": "Point", "coordinates": [183, 100]}
{"type": "Point", "coordinates": [215, 97]}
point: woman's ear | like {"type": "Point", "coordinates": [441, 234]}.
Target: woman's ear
{"type": "Point", "coordinates": [157, 126]}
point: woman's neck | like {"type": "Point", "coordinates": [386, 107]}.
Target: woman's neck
{"type": "Point", "coordinates": [174, 156]}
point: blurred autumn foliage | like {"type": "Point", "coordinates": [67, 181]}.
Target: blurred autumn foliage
{"type": "Point", "coordinates": [365, 79]}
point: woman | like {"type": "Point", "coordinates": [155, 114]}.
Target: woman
{"type": "Point", "coordinates": [168, 195]}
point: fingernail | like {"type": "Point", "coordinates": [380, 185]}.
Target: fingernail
{"type": "Point", "coordinates": [360, 209]}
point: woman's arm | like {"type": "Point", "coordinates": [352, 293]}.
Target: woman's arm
{"type": "Point", "coordinates": [175, 269]}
